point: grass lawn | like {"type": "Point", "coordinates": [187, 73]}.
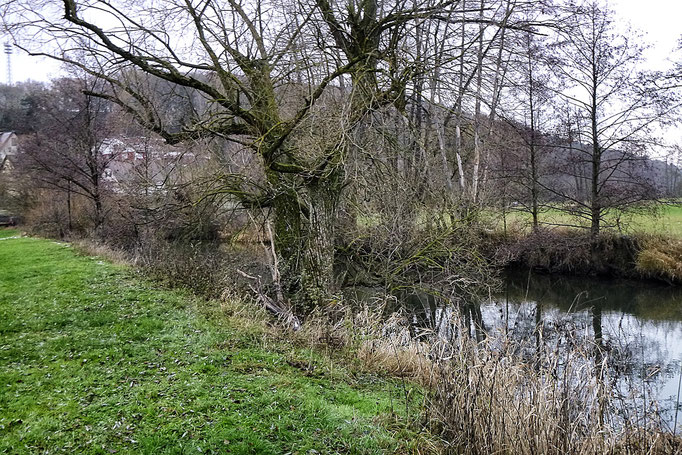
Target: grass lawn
{"type": "Point", "coordinates": [94, 359]}
{"type": "Point", "coordinates": [667, 221]}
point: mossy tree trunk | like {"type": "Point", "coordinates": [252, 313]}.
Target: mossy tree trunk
{"type": "Point", "coordinates": [304, 242]}
{"type": "Point", "coordinates": [302, 191]}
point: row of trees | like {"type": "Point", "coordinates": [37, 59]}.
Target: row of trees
{"type": "Point", "coordinates": [339, 111]}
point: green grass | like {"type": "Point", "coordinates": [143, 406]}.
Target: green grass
{"type": "Point", "coordinates": [667, 221]}
{"type": "Point", "coordinates": [4, 233]}
{"type": "Point", "coordinates": [94, 359]}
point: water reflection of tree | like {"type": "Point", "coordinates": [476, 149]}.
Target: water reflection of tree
{"type": "Point", "coordinates": [637, 363]}
{"type": "Point", "coordinates": [650, 301]}
{"type": "Point", "coordinates": [549, 317]}
{"type": "Point", "coordinates": [447, 318]}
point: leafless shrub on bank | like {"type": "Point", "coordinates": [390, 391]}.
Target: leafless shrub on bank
{"type": "Point", "coordinates": [57, 215]}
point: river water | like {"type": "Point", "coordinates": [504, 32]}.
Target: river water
{"type": "Point", "coordinates": [637, 324]}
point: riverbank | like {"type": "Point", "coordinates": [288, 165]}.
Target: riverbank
{"type": "Point", "coordinates": [569, 251]}
{"type": "Point", "coordinates": [96, 359]}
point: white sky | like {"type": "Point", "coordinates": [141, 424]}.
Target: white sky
{"type": "Point", "coordinates": [659, 20]}
{"type": "Point", "coordinates": [26, 68]}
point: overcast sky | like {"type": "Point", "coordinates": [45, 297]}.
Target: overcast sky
{"type": "Point", "coordinates": [660, 22]}
{"type": "Point", "coordinates": [658, 19]}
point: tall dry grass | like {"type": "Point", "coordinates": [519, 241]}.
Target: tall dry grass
{"type": "Point", "coordinates": [90, 247]}
{"type": "Point", "coordinates": [498, 396]}
{"type": "Point", "coordinates": [660, 257]}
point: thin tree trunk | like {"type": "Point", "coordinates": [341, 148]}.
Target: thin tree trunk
{"type": "Point", "coordinates": [459, 111]}
{"type": "Point", "coordinates": [500, 75]}
{"type": "Point", "coordinates": [595, 203]}
{"type": "Point", "coordinates": [533, 158]}
{"type": "Point", "coordinates": [477, 111]}
{"type": "Point", "coordinates": [444, 158]}
{"type": "Point", "coordinates": [68, 206]}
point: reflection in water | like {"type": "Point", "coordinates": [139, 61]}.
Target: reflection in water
{"type": "Point", "coordinates": [636, 327]}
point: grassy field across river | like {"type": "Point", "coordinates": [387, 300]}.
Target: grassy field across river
{"type": "Point", "coordinates": [95, 359]}
{"type": "Point", "coordinates": [667, 220]}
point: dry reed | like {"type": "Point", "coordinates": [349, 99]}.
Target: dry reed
{"type": "Point", "coordinates": [500, 396]}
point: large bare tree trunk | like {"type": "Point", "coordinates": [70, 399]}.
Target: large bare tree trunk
{"type": "Point", "coordinates": [304, 230]}
{"type": "Point", "coordinates": [317, 276]}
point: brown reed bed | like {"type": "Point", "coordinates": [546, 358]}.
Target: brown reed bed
{"type": "Point", "coordinates": [500, 395]}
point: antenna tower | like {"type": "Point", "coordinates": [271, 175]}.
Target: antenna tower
{"type": "Point", "coordinates": [8, 52]}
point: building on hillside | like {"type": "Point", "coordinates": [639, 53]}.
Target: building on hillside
{"type": "Point", "coordinates": [143, 164]}
{"type": "Point", "coordinates": [8, 148]}
{"type": "Point", "coordinates": [9, 194]}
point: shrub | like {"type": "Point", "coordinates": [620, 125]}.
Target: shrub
{"type": "Point", "coordinates": [48, 215]}
{"type": "Point", "coordinates": [572, 251]}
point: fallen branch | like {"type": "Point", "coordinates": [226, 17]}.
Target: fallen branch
{"type": "Point", "coordinates": [278, 308]}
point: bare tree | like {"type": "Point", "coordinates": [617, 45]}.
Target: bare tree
{"type": "Point", "coordinates": [65, 150]}
{"type": "Point", "coordinates": [614, 107]}
{"type": "Point", "coordinates": [466, 92]}
{"type": "Point", "coordinates": [242, 58]}
{"type": "Point", "coordinates": [527, 113]}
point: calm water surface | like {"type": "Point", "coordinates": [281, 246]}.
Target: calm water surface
{"type": "Point", "coordinates": [637, 324]}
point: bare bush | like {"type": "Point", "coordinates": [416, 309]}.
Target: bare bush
{"type": "Point", "coordinates": [57, 215]}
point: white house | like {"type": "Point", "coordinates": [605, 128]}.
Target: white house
{"type": "Point", "coordinates": [8, 147]}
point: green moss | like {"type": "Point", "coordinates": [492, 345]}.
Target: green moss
{"type": "Point", "coordinates": [96, 360]}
